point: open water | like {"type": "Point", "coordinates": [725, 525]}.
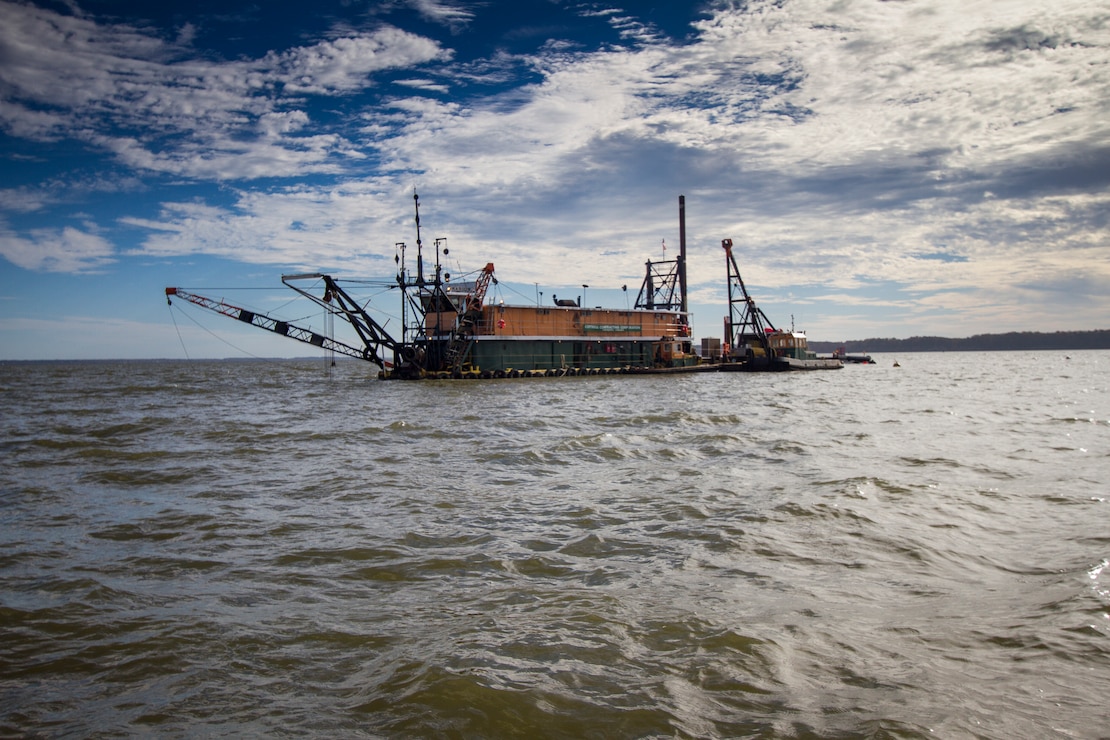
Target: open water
{"type": "Point", "coordinates": [268, 548]}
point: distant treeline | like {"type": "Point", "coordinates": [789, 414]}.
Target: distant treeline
{"type": "Point", "coordinates": [1018, 340]}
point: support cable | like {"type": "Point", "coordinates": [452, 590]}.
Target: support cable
{"type": "Point", "coordinates": [213, 334]}
{"type": "Point", "coordinates": [169, 307]}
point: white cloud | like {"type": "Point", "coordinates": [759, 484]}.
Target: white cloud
{"type": "Point", "coordinates": [891, 79]}
{"type": "Point", "coordinates": [355, 225]}
{"type": "Point", "coordinates": [226, 157]}
{"type": "Point", "coordinates": [423, 85]}
{"type": "Point", "coordinates": [453, 14]}
{"type": "Point", "coordinates": [24, 200]}
{"type": "Point", "coordinates": [346, 64]}
{"type": "Point", "coordinates": [67, 250]}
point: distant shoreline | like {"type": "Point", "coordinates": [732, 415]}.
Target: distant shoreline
{"type": "Point", "coordinates": [1008, 342]}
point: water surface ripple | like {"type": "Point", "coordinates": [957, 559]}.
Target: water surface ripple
{"type": "Point", "coordinates": [272, 548]}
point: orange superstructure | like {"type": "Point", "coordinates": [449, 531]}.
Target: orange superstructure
{"type": "Point", "coordinates": [564, 323]}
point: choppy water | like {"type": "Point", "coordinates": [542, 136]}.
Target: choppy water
{"type": "Point", "coordinates": [260, 548]}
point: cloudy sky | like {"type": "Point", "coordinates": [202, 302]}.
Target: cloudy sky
{"type": "Point", "coordinates": [886, 168]}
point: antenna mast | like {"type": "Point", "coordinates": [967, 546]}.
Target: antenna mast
{"type": "Point", "coordinates": [682, 256]}
{"type": "Point", "coordinates": [419, 245]}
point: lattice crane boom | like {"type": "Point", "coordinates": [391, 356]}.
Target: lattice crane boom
{"type": "Point", "coordinates": [746, 321]}
{"type": "Point", "coordinates": [283, 328]}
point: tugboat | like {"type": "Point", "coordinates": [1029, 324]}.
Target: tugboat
{"type": "Point", "coordinates": [752, 343]}
{"type": "Point", "coordinates": [448, 330]}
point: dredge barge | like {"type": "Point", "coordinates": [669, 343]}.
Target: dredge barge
{"type": "Point", "coordinates": [450, 331]}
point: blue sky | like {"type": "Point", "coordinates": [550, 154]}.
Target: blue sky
{"type": "Point", "coordinates": [886, 168]}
